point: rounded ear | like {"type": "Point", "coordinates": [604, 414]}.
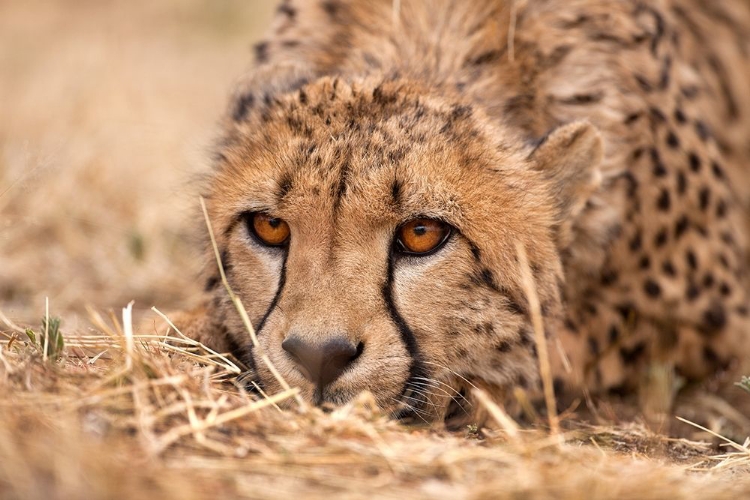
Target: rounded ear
{"type": "Point", "coordinates": [570, 157]}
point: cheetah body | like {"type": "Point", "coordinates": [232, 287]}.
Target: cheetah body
{"type": "Point", "coordinates": [357, 115]}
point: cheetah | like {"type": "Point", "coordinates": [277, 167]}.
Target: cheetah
{"type": "Point", "coordinates": [382, 162]}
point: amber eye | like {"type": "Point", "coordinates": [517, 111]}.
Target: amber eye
{"type": "Point", "coordinates": [422, 236]}
{"type": "Point", "coordinates": [269, 230]}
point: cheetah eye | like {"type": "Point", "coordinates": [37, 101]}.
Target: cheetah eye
{"type": "Point", "coordinates": [270, 231]}
{"type": "Point", "coordinates": [422, 236]}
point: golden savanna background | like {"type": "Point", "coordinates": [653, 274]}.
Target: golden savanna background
{"type": "Point", "coordinates": [107, 112]}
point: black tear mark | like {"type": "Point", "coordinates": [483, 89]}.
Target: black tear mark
{"type": "Point", "coordinates": [417, 370]}
{"type": "Point", "coordinates": [276, 297]}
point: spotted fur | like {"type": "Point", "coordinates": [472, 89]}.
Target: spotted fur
{"type": "Point", "coordinates": [610, 138]}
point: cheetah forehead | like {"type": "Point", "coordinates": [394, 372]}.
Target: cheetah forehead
{"type": "Point", "coordinates": [389, 149]}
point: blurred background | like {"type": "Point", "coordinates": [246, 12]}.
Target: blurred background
{"type": "Point", "coordinates": [107, 111]}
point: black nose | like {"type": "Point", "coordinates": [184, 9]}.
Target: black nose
{"type": "Point", "coordinates": [322, 363]}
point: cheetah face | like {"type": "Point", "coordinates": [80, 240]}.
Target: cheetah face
{"type": "Point", "coordinates": [370, 231]}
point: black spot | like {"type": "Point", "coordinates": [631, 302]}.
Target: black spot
{"type": "Point", "coordinates": [717, 170]}
{"type": "Point", "coordinates": [486, 57]}
{"type": "Point", "coordinates": [652, 288]}
{"type": "Point", "coordinates": [692, 292]}
{"type": "Point", "coordinates": [679, 116]}
{"type": "Point", "coordinates": [287, 10]}
{"type": "Point", "coordinates": [672, 140]}
{"type": "Point", "coordinates": [721, 209]}
{"type": "Point", "coordinates": [593, 346]}
{"type": "Point", "coordinates": [690, 91]}
{"type": "Point", "coordinates": [626, 310]}
{"type": "Point", "coordinates": [381, 97]}
{"type": "Point", "coordinates": [636, 242]}
{"type": "Point", "coordinates": [609, 277]}
{"type": "Point", "coordinates": [691, 259]}
{"type": "Point", "coordinates": [632, 183]}
{"type": "Point", "coordinates": [664, 201]}
{"type": "Point", "coordinates": [631, 118]}
{"type": "Point", "coordinates": [668, 268]}
{"type": "Point", "coordinates": [710, 357]}
{"type": "Point", "coordinates": [708, 280]}
{"type": "Point", "coordinates": [504, 346]}
{"type": "Point", "coordinates": [704, 197]}
{"type": "Point", "coordinates": [580, 99]}
{"type": "Point", "coordinates": [487, 278]}
{"type": "Point", "coordinates": [284, 186]}
{"type": "Point", "coordinates": [742, 310]}
{"type": "Point", "coordinates": [261, 52]}
{"type": "Point", "coordinates": [614, 334]}
{"type": "Point", "coordinates": [714, 318]}
{"type": "Point", "coordinates": [396, 192]}
{"type": "Point", "coordinates": [643, 83]}
{"type": "Point", "coordinates": [681, 182]}
{"type": "Point", "coordinates": [724, 261]}
{"type": "Point", "coordinates": [475, 252]}
{"type": "Point", "coordinates": [725, 289]}
{"type": "Point", "coordinates": [331, 7]}
{"type": "Point", "coordinates": [645, 262]}
{"type": "Point", "coordinates": [630, 356]}
{"type": "Point", "coordinates": [681, 226]}
{"type": "Point", "coordinates": [570, 325]}
{"type": "Point", "coordinates": [659, 169]}
{"type": "Point", "coordinates": [341, 185]}
{"type": "Point", "coordinates": [695, 162]}
{"type": "Point", "coordinates": [657, 115]}
{"type": "Point", "coordinates": [702, 130]}
{"type": "Point", "coordinates": [661, 238]}
{"type": "Point", "coordinates": [459, 111]}
{"type": "Point", "coordinates": [242, 106]}
{"type": "Point", "coordinates": [664, 77]}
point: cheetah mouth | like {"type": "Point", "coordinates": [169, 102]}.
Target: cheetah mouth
{"type": "Point", "coordinates": [413, 407]}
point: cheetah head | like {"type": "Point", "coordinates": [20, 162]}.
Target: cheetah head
{"type": "Point", "coordinates": [370, 230]}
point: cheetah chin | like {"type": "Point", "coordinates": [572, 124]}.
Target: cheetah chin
{"type": "Point", "coordinates": [381, 163]}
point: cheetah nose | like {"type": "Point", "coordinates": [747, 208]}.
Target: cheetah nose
{"type": "Point", "coordinates": [324, 363]}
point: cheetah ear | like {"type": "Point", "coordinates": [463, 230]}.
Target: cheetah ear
{"type": "Point", "coordinates": [570, 157]}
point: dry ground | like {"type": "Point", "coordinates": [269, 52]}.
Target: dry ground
{"type": "Point", "coordinates": [107, 108]}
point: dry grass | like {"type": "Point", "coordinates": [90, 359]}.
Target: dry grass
{"type": "Point", "coordinates": [107, 107]}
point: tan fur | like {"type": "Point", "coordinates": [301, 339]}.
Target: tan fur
{"type": "Point", "coordinates": [593, 143]}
